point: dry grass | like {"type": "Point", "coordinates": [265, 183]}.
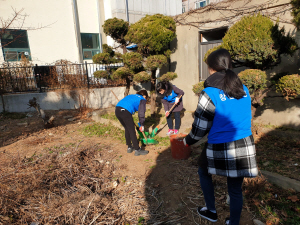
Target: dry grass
{"type": "Point", "coordinates": [67, 185]}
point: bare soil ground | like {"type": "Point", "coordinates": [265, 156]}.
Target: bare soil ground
{"type": "Point", "coordinates": [60, 176]}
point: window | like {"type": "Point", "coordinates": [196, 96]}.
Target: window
{"type": "Point", "coordinates": [183, 9]}
{"type": "Point", "coordinates": [200, 4]}
{"type": "Point", "coordinates": [90, 45]}
{"type": "Point", "coordinates": [15, 44]}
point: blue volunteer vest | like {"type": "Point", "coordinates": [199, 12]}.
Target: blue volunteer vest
{"type": "Point", "coordinates": [131, 103]}
{"type": "Point", "coordinates": [171, 97]}
{"type": "Point", "coordinates": [232, 119]}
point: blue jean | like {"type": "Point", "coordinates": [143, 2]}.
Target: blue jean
{"type": "Point", "coordinates": [234, 190]}
{"type": "Point", "coordinates": [177, 120]}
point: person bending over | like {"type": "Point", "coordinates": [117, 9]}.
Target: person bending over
{"type": "Point", "coordinates": [124, 111]}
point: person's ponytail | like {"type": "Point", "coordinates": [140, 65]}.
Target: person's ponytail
{"type": "Point", "coordinates": [232, 85]}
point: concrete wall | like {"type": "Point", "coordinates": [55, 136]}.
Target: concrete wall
{"type": "Point", "coordinates": [185, 59]}
{"type": "Point", "coordinates": [55, 100]}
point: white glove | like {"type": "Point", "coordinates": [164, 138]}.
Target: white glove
{"type": "Point", "coordinates": [167, 113]}
{"type": "Point", "coordinates": [176, 100]}
{"type": "Point", "coordinates": [184, 142]}
{"type": "Point", "coordinates": [141, 128]}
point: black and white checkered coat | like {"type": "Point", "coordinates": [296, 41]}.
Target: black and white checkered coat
{"type": "Point", "coordinates": [231, 159]}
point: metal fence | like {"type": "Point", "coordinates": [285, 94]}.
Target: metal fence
{"type": "Point", "coordinates": [51, 77]}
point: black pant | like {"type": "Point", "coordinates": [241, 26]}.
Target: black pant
{"type": "Point", "coordinates": [177, 120]}
{"type": "Point", "coordinates": [125, 118]}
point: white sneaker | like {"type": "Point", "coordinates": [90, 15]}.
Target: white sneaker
{"type": "Point", "coordinates": [170, 132]}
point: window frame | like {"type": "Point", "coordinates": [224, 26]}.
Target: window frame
{"type": "Point", "coordinates": [198, 2]}
{"type": "Point", "coordinates": [18, 50]}
{"type": "Point", "coordinates": [93, 51]}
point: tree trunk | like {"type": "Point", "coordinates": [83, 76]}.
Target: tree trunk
{"type": "Point", "coordinates": [124, 49]}
{"type": "Point", "coordinates": [152, 93]}
{"type": "Point", "coordinates": [127, 86]}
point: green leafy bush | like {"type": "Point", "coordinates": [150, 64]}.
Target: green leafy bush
{"type": "Point", "coordinates": [115, 28]}
{"type": "Point", "coordinates": [121, 73]}
{"type": "Point", "coordinates": [168, 76]}
{"type": "Point", "coordinates": [256, 42]}
{"type": "Point", "coordinates": [254, 79]}
{"type": "Point", "coordinates": [296, 12]}
{"type": "Point", "coordinates": [101, 74]}
{"type": "Point", "coordinates": [197, 88]}
{"type": "Point", "coordinates": [156, 61]}
{"type": "Point", "coordinates": [289, 86]}
{"type": "Point", "coordinates": [152, 33]}
{"type": "Point", "coordinates": [133, 61]}
{"type": "Point", "coordinates": [102, 58]}
{"type": "Point", "coordinates": [141, 77]}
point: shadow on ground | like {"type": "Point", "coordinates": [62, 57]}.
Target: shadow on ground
{"type": "Point", "coordinates": [173, 192]}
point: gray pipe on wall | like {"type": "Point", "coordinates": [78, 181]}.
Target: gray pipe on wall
{"type": "Point", "coordinates": [77, 30]}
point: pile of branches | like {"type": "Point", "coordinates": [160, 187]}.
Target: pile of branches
{"type": "Point", "coordinates": [67, 185]}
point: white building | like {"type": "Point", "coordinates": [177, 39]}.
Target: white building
{"type": "Point", "coordinates": [46, 31]}
{"type": "Point", "coordinates": [188, 5]}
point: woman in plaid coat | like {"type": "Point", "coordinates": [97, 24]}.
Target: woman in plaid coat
{"type": "Point", "coordinates": [224, 111]}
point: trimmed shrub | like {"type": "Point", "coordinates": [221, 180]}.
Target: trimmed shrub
{"type": "Point", "coordinates": [296, 12]}
{"type": "Point", "coordinates": [101, 74]}
{"type": "Point", "coordinates": [102, 58]}
{"type": "Point", "coordinates": [141, 77]}
{"type": "Point", "coordinates": [152, 33]}
{"type": "Point", "coordinates": [197, 88]}
{"type": "Point", "coordinates": [256, 42]}
{"type": "Point", "coordinates": [168, 76]}
{"type": "Point", "coordinates": [254, 79]}
{"type": "Point", "coordinates": [156, 61]}
{"type": "Point", "coordinates": [121, 73]}
{"type": "Point", "coordinates": [289, 86]}
{"type": "Point", "coordinates": [133, 61]}
{"type": "Point", "coordinates": [116, 28]}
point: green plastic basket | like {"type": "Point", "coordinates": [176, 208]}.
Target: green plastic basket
{"type": "Point", "coordinates": [149, 141]}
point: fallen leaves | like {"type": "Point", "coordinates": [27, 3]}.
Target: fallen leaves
{"type": "Point", "coordinates": [293, 198]}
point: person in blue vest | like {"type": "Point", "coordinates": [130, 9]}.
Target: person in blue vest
{"type": "Point", "coordinates": [124, 111]}
{"type": "Point", "coordinates": [169, 95]}
{"type": "Point", "coordinates": [224, 112]}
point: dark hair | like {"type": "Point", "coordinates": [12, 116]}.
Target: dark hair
{"type": "Point", "coordinates": [160, 86]}
{"type": "Point", "coordinates": [220, 61]}
{"type": "Point", "coordinates": [142, 93]}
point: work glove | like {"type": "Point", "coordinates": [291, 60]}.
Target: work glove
{"type": "Point", "coordinates": [184, 143]}
{"type": "Point", "coordinates": [176, 100]}
{"type": "Point", "coordinates": [167, 113]}
{"type": "Point", "coordinates": [141, 128]}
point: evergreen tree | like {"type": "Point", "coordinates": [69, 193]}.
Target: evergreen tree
{"type": "Point", "coordinates": [153, 35]}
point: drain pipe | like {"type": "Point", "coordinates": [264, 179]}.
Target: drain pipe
{"type": "Point", "coordinates": [126, 10]}
{"type": "Point", "coordinates": [77, 30]}
{"type": "Point", "coordinates": [100, 26]}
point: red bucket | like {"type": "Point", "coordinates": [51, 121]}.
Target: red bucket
{"type": "Point", "coordinates": [178, 149]}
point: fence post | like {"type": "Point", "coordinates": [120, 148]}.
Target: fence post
{"type": "Point", "coordinates": [38, 75]}
{"type": "Point", "coordinates": [87, 75]}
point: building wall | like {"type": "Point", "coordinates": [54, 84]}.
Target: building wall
{"type": "Point", "coordinates": [186, 55]}
{"type": "Point", "coordinates": [137, 9]}
{"type": "Point", "coordinates": [191, 4]}
{"type": "Point", "coordinates": [63, 99]}
{"type": "Point", "coordinates": [50, 26]}
{"type": "Point", "coordinates": [56, 39]}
